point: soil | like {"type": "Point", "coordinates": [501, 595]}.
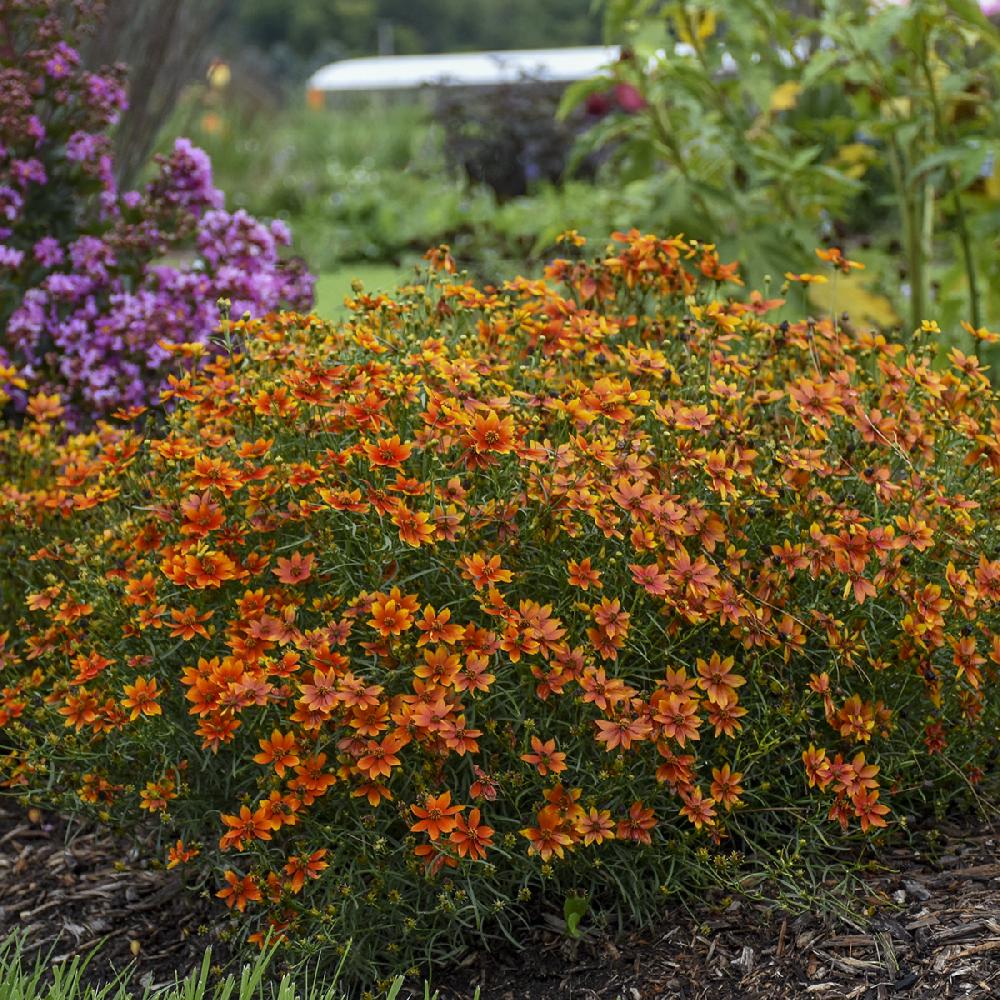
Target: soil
{"type": "Point", "coordinates": [934, 932]}
{"type": "Point", "coordinates": [68, 889]}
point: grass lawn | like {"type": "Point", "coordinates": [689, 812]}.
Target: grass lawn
{"type": "Point", "coordinates": [333, 286]}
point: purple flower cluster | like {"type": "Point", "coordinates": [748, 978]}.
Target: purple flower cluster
{"type": "Point", "coordinates": [92, 280]}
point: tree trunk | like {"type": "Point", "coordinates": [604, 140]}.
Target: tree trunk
{"type": "Point", "coordinates": [164, 43]}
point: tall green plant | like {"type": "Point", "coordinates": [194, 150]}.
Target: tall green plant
{"type": "Point", "coordinates": [774, 125]}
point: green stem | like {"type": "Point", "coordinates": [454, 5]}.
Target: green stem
{"type": "Point", "coordinates": [968, 257]}
{"type": "Point", "coordinates": [916, 235]}
{"type": "Point", "coordinates": [912, 232]}
{"type": "Point", "coordinates": [915, 263]}
{"type": "Point", "coordinates": [969, 260]}
{"type": "Point", "coordinates": [666, 134]}
{"type": "Point", "coordinates": [926, 243]}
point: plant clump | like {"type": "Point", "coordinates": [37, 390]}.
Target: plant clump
{"type": "Point", "coordinates": [96, 284]}
{"type": "Point", "coordinates": [605, 582]}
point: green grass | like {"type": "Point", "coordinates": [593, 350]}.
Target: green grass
{"type": "Point", "coordinates": [332, 287]}
{"type": "Point", "coordinates": [21, 979]}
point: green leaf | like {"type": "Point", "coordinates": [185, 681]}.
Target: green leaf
{"type": "Point", "coordinates": [576, 93]}
{"type": "Point", "coordinates": [618, 14]}
{"type": "Point", "coordinates": [574, 908]}
{"type": "Point", "coordinates": [819, 66]}
{"type": "Point", "coordinates": [968, 159]}
{"type": "Point", "coordinates": [970, 12]}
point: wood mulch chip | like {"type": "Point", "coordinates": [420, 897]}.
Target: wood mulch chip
{"type": "Point", "coordinates": [935, 932]}
{"type": "Point", "coordinates": [68, 889]}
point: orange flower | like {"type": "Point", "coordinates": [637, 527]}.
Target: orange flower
{"type": "Point", "coordinates": [636, 826]}
{"type": "Point", "coordinates": [157, 795]}
{"type": "Point", "coordinates": [279, 750]}
{"type": "Point", "coordinates": [139, 592]}
{"type": "Point", "coordinates": [621, 733]}
{"type": "Point", "coordinates": [610, 618]}
{"type": "Point", "coordinates": [373, 791]}
{"type": "Point", "coordinates": [548, 838]}
{"type": "Point", "coordinates": [677, 717]}
{"type": "Point", "coordinates": [188, 623]}
{"type": "Point", "coordinates": [390, 618]}
{"type": "Point", "coordinates": [470, 837]}
{"type": "Point", "coordinates": [209, 569]}
{"type": "Point", "coordinates": [581, 574]}
{"type": "Point", "coordinates": [322, 693]}
{"type": "Point", "coordinates": [239, 891]}
{"type": "Point", "coordinates": [483, 571]}
{"type": "Point", "coordinates": [356, 692]}
{"type": "Point", "coordinates": [491, 434]}
{"type": "Point", "coordinates": [294, 569]}
{"type": "Point", "coordinates": [438, 627]}
{"type": "Point", "coordinates": [458, 737]}
{"type": "Point", "coordinates": [651, 578]}
{"type": "Point", "coordinates": [697, 808]}
{"type": "Point", "coordinates": [818, 400]}
{"type": "Point", "coordinates": [379, 759]}
{"type": "Point", "coordinates": [868, 809]}
{"type": "Point", "coordinates": [88, 666]}
{"type": "Point", "coordinates": [484, 787]}
{"type": "Point", "coordinates": [299, 869]}
{"type": "Point", "coordinates": [807, 279]}
{"type": "Point", "coordinates": [856, 718]}
{"type": "Point", "coordinates": [696, 576]}
{"type": "Point", "coordinates": [201, 515]}
{"type": "Point", "coordinates": [180, 854]}
{"type": "Point", "coordinates": [435, 857]}
{"type": "Point", "coordinates": [247, 826]}
{"type": "Point", "coordinates": [791, 556]}
{"type": "Point", "coordinates": [414, 525]}
{"type": "Point", "coordinates": [597, 827]}
{"type": "Point", "coordinates": [545, 757]}
{"type": "Point", "coordinates": [44, 408]}
{"type": "Point", "coordinates": [724, 719]}
{"type": "Point", "coordinates": [436, 816]}
{"type": "Point", "coordinates": [389, 453]}
{"type": "Point", "coordinates": [279, 810]}
{"type": "Point", "coordinates": [726, 788]}
{"type": "Point", "coordinates": [216, 473]}
{"type": "Point", "coordinates": [141, 698]}
{"type": "Point", "coordinates": [854, 776]}
{"type": "Point", "coordinates": [716, 679]}
{"type": "Point", "coordinates": [603, 691]}
{"type": "Point", "coordinates": [835, 257]}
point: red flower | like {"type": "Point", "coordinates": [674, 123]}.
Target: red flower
{"type": "Point", "coordinates": [629, 99]}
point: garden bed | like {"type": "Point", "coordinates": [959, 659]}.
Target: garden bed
{"type": "Point", "coordinates": [935, 929]}
{"type": "Point", "coordinates": [68, 889]}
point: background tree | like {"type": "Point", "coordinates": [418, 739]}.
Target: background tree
{"type": "Point", "coordinates": [166, 44]}
{"type": "Point", "coordinates": [322, 28]}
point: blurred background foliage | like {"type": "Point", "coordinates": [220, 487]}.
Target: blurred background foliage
{"type": "Point", "coordinates": [869, 125]}
{"type": "Point", "coordinates": [309, 32]}
{"type": "Point", "coordinates": [773, 128]}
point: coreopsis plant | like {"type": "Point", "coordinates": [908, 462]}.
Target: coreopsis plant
{"type": "Point", "coordinates": [91, 279]}
{"type": "Point", "coordinates": [599, 583]}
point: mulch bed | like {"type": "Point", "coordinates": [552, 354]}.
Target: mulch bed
{"type": "Point", "coordinates": [68, 889]}
{"type": "Point", "coordinates": [935, 931]}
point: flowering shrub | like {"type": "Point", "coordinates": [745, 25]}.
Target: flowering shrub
{"type": "Point", "coordinates": [598, 582]}
{"type": "Point", "coordinates": [86, 294]}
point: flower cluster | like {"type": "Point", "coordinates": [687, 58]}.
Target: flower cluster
{"type": "Point", "coordinates": [86, 294]}
{"type": "Point", "coordinates": [586, 582]}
